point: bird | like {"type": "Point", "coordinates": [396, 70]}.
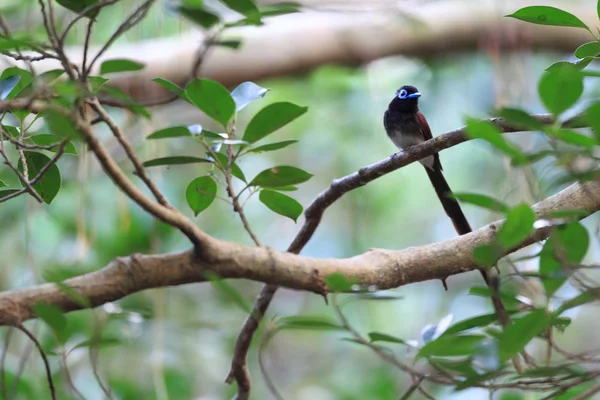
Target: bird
{"type": "Point", "coordinates": [406, 126]}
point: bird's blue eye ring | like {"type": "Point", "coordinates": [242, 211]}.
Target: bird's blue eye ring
{"type": "Point", "coordinates": [402, 94]}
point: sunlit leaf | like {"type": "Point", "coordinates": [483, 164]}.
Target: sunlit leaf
{"type": "Point", "coordinates": [281, 204]}
{"type": "Point", "coordinates": [487, 255]}
{"type": "Point", "coordinates": [270, 119]}
{"type": "Point", "coordinates": [545, 15]}
{"type": "Point", "coordinates": [120, 65]}
{"type": "Point", "coordinates": [590, 49]}
{"type": "Point", "coordinates": [451, 345]}
{"type": "Point", "coordinates": [212, 98]}
{"type": "Point", "coordinates": [245, 93]}
{"type": "Point", "coordinates": [174, 160]}
{"type": "Point", "coordinates": [49, 185]}
{"type": "Point", "coordinates": [338, 282]}
{"type": "Point", "coordinates": [280, 176]}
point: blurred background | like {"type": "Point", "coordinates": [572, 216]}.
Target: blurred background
{"type": "Point", "coordinates": [176, 343]}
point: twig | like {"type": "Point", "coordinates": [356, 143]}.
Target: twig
{"type": "Point", "coordinates": [31, 336]}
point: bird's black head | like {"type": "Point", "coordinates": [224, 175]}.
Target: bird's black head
{"type": "Point", "coordinates": [406, 100]}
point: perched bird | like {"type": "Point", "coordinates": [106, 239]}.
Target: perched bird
{"type": "Point", "coordinates": [406, 126]}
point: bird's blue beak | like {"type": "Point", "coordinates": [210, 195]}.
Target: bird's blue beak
{"type": "Point", "coordinates": [414, 95]}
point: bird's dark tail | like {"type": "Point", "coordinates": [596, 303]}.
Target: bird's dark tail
{"type": "Point", "coordinates": [448, 201]}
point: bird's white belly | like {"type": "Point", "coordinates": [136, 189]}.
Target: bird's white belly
{"type": "Point", "coordinates": [403, 142]}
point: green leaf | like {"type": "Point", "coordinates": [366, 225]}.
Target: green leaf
{"type": "Point", "coordinates": [560, 88]}
{"type": "Point", "coordinates": [8, 192]}
{"type": "Point", "coordinates": [200, 193]}
{"type": "Point", "coordinates": [235, 169]}
{"type": "Point", "coordinates": [7, 85]}
{"type": "Point", "coordinates": [590, 49]}
{"type": "Point", "coordinates": [568, 214]}
{"type": "Point", "coordinates": [589, 296]}
{"type": "Point", "coordinates": [49, 77]}
{"type": "Point", "coordinates": [272, 10]}
{"type": "Point", "coordinates": [533, 157]}
{"type": "Point", "coordinates": [510, 302]}
{"type": "Point", "coordinates": [212, 98]}
{"type": "Point", "coordinates": [244, 7]}
{"type": "Point", "coordinates": [571, 137]}
{"type": "Point", "coordinates": [592, 117]}
{"type": "Point", "coordinates": [74, 295]}
{"type": "Point", "coordinates": [520, 332]}
{"type": "Point", "coordinates": [271, 118]}
{"type": "Point", "coordinates": [49, 185]}
{"type": "Point", "coordinates": [272, 146]}
{"type": "Point", "coordinates": [482, 201]}
{"type": "Point", "coordinates": [47, 139]}
{"type": "Point", "coordinates": [232, 44]}
{"type": "Point", "coordinates": [474, 322]}
{"type": "Point", "coordinates": [100, 342]}
{"type": "Point", "coordinates": [487, 255]}
{"type": "Point", "coordinates": [22, 83]}
{"type": "Point", "coordinates": [174, 160]}
{"type": "Point", "coordinates": [338, 282]}
{"type": "Point", "coordinates": [280, 176]}
{"type": "Point", "coordinates": [96, 83]}
{"type": "Point", "coordinates": [486, 130]}
{"type": "Point", "coordinates": [2, 184]}
{"type": "Point", "coordinates": [312, 323]}
{"type": "Point", "coordinates": [245, 93]}
{"type": "Point", "coordinates": [127, 101]}
{"type": "Point", "coordinates": [570, 242]}
{"type": "Point", "coordinates": [171, 87]}
{"type": "Point", "coordinates": [517, 227]}
{"type": "Point", "coordinates": [77, 6]}
{"type": "Point", "coordinates": [170, 132]}
{"type": "Point", "coordinates": [281, 204]}
{"type": "Point", "coordinates": [545, 15]}
{"type": "Point", "coordinates": [450, 345]}
{"type": "Point", "coordinates": [382, 337]}
{"type": "Point", "coordinates": [228, 290]}
{"type": "Point", "coordinates": [120, 65]}
{"type": "Point", "coordinates": [578, 65]}
{"type": "Point", "coordinates": [53, 317]}
{"type": "Point", "coordinates": [519, 118]}
{"type": "Point", "coordinates": [204, 18]}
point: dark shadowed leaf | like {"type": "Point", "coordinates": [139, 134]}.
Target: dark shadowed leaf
{"type": "Point", "coordinates": [282, 175]}
{"type": "Point", "coordinates": [487, 131]}
{"type": "Point", "coordinates": [482, 200]}
{"type": "Point", "coordinates": [174, 160]}
{"type": "Point", "coordinates": [590, 49]}
{"type": "Point", "coordinates": [7, 85]}
{"type": "Point", "coordinates": [205, 19]}
{"type": "Point", "coordinates": [519, 118]}
{"type": "Point", "coordinates": [520, 332]}
{"type": "Point", "coordinates": [383, 337]}
{"type": "Point", "coordinates": [77, 6]}
{"type": "Point", "coordinates": [200, 193]}
{"type": "Point", "coordinates": [235, 169]}
{"type": "Point", "coordinates": [517, 227]}
{"type": "Point", "coordinates": [49, 185]}
{"type": "Point", "coordinates": [450, 345]}
{"type": "Point", "coordinates": [170, 132]}
{"type": "Point", "coordinates": [8, 192]}
{"type": "Point", "coordinates": [120, 65]}
{"type": "Point", "coordinates": [232, 44]}
{"type": "Point", "coordinates": [281, 204]}
{"type": "Point", "coordinates": [272, 146]}
{"type": "Point", "coordinates": [47, 139]}
{"type": "Point", "coordinates": [560, 88]}
{"type": "Point", "coordinates": [212, 98]}
{"type": "Point", "coordinates": [53, 317]}
{"type": "Point", "coordinates": [271, 118]}
{"type": "Point", "coordinates": [545, 15]}
{"type": "Point", "coordinates": [245, 93]}
{"type": "Point", "coordinates": [312, 323]}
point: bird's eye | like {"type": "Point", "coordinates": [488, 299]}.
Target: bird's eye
{"type": "Point", "coordinates": [402, 94]}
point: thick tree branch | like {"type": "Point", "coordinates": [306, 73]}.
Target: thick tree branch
{"type": "Point", "coordinates": [383, 268]}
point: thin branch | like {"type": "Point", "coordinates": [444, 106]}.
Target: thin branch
{"type": "Point", "coordinates": [31, 336]}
